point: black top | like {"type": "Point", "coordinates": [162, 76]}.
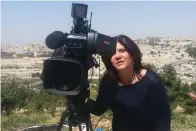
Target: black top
{"type": "Point", "coordinates": [143, 106]}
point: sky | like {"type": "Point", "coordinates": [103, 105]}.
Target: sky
{"type": "Point", "coordinates": [30, 22]}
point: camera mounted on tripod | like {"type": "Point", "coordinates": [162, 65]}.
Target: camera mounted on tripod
{"type": "Point", "coordinates": [66, 71]}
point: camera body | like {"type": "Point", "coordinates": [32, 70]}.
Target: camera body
{"type": "Point", "coordinates": [66, 72]}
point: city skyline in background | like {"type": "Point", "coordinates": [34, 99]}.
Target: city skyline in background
{"type": "Point", "coordinates": [30, 22]}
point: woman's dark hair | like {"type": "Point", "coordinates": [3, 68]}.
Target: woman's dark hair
{"type": "Point", "coordinates": [134, 52]}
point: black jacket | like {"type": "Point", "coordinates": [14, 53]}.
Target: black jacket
{"type": "Point", "coordinates": [143, 106]}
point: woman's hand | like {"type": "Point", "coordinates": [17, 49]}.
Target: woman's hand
{"type": "Point", "coordinates": [192, 96]}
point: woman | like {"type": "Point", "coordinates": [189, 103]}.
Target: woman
{"type": "Point", "coordinates": [136, 96]}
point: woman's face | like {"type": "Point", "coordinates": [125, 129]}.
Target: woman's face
{"type": "Point", "coordinates": [121, 60]}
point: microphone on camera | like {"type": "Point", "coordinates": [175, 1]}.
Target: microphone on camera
{"type": "Point", "coordinates": [56, 39]}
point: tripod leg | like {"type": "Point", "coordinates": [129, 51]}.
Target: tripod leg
{"type": "Point", "coordinates": [70, 127]}
{"type": "Point", "coordinates": [80, 128]}
{"type": "Point", "coordinates": [87, 126]}
{"type": "Point", "coordinates": [63, 117]}
{"type": "Point", "coordinates": [90, 125]}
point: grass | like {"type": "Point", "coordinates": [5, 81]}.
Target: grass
{"type": "Point", "coordinates": [183, 122]}
{"type": "Point", "coordinates": [180, 122]}
{"type": "Point", "coordinates": [25, 120]}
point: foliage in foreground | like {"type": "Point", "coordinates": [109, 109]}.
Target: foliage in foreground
{"type": "Point", "coordinates": [18, 94]}
{"type": "Point", "coordinates": [180, 121]}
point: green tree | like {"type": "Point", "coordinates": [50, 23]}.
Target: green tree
{"type": "Point", "coordinates": [149, 66]}
{"type": "Point", "coordinates": [191, 51]}
{"type": "Point", "coordinates": [177, 91]}
{"type": "Point", "coordinates": [193, 87]}
{"type": "Point", "coordinates": [169, 75]}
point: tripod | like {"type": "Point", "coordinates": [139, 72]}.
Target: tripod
{"type": "Point", "coordinates": [76, 116]}
{"type": "Point", "coordinates": [75, 88]}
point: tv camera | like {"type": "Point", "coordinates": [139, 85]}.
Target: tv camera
{"type": "Point", "coordinates": [66, 71]}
